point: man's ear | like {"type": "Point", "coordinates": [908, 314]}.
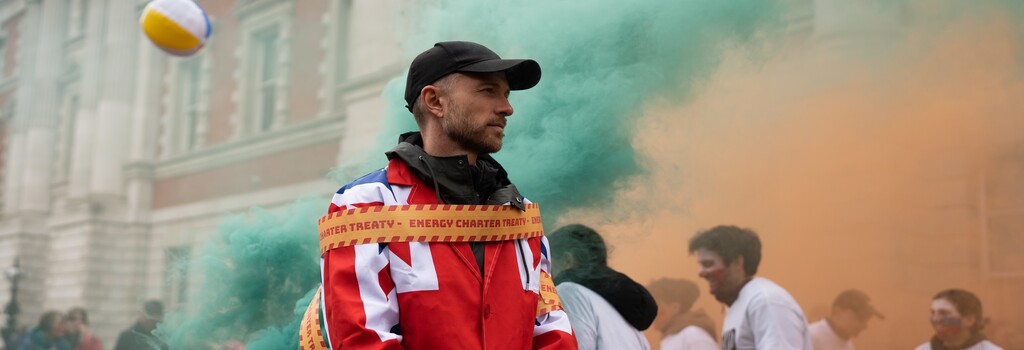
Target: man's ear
{"type": "Point", "coordinates": [737, 264]}
{"type": "Point", "coordinates": [432, 100]}
{"type": "Point", "coordinates": [968, 322]}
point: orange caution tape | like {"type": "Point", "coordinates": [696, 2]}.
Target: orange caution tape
{"type": "Point", "coordinates": [428, 223]}
{"type": "Point", "coordinates": [549, 300]}
{"type": "Point", "coordinates": [425, 223]}
{"type": "Point", "coordinates": [310, 335]}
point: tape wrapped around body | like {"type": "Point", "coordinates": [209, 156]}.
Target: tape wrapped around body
{"type": "Point", "coordinates": [432, 223]}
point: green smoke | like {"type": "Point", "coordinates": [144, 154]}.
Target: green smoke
{"type": "Point", "coordinates": [569, 144]}
{"type": "Point", "coordinates": [254, 268]}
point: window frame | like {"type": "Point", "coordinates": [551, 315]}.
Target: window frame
{"type": "Point", "coordinates": [255, 18]}
{"type": "Point", "coordinates": [185, 124]}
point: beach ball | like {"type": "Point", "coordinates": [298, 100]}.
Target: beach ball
{"type": "Point", "coordinates": [179, 27]}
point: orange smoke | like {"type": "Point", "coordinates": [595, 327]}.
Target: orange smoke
{"type": "Point", "coordinates": [860, 164]}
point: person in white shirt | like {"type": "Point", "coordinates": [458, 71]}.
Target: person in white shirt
{"type": "Point", "coordinates": [958, 320]}
{"type": "Point", "coordinates": [606, 308]}
{"type": "Point", "coordinates": [681, 328]}
{"type": "Point", "coordinates": [850, 314]}
{"type": "Point", "coordinates": [761, 314]}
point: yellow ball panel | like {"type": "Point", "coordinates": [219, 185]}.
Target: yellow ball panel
{"type": "Point", "coordinates": [166, 33]}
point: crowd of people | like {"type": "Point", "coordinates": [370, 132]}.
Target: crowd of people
{"type": "Point", "coordinates": [760, 313]}
{"type": "Point", "coordinates": [499, 286]}
{"type": "Point", "coordinates": [70, 331]}
{"type": "Point", "coordinates": [501, 283]}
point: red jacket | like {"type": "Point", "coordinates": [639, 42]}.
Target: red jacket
{"type": "Point", "coordinates": [419, 295]}
{"type": "Point", "coordinates": [89, 341]}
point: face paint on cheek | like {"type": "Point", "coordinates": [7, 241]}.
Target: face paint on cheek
{"type": "Point", "coordinates": [946, 327]}
{"type": "Point", "coordinates": [715, 278]}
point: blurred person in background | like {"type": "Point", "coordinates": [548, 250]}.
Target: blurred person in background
{"type": "Point", "coordinates": [78, 333]}
{"type": "Point", "coordinates": [140, 336]}
{"type": "Point", "coordinates": [958, 320]}
{"type": "Point", "coordinates": [48, 335]}
{"type": "Point", "coordinates": [606, 308]}
{"type": "Point", "coordinates": [850, 314]}
{"type": "Point", "coordinates": [681, 328]}
{"type": "Point", "coordinates": [761, 314]}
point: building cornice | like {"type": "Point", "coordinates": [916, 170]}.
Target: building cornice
{"type": "Point", "coordinates": [372, 82]}
{"type": "Point", "coordinates": [286, 138]}
{"type": "Point", "coordinates": [221, 206]}
{"type": "Point", "coordinates": [247, 8]}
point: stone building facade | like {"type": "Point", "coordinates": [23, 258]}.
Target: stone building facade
{"type": "Point", "coordinates": [117, 160]}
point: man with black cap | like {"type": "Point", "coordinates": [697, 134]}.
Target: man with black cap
{"type": "Point", "coordinates": [400, 271]}
{"type": "Point", "coordinates": [850, 314]}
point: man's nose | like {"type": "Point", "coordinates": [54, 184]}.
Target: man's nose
{"type": "Point", "coordinates": [504, 108]}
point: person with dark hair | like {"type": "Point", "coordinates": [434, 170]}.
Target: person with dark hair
{"type": "Point", "coordinates": [761, 314]}
{"type": "Point", "coordinates": [681, 328]}
{"type": "Point", "coordinates": [78, 331]}
{"type": "Point", "coordinates": [958, 320]}
{"type": "Point", "coordinates": [850, 314]}
{"type": "Point", "coordinates": [607, 309]}
{"type": "Point", "coordinates": [48, 335]}
{"type": "Point", "coordinates": [439, 249]}
{"type": "Point", "coordinates": [140, 336]}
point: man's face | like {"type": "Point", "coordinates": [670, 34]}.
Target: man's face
{"type": "Point", "coordinates": [59, 327]}
{"type": "Point", "coordinates": [75, 323]}
{"type": "Point", "coordinates": [947, 321]}
{"type": "Point", "coordinates": [150, 322]}
{"type": "Point", "coordinates": [848, 323]}
{"type": "Point", "coordinates": [723, 280]}
{"type": "Point", "coordinates": [475, 114]}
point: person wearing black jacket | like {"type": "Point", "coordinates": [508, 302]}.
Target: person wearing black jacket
{"type": "Point", "coordinates": [140, 336]}
{"type": "Point", "coordinates": [606, 308]}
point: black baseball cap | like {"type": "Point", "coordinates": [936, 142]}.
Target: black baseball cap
{"type": "Point", "coordinates": [462, 56]}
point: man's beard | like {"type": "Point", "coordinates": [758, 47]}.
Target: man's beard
{"type": "Point", "coordinates": [458, 126]}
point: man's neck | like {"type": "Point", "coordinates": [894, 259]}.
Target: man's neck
{"type": "Point", "coordinates": [958, 340]}
{"type": "Point", "coordinates": [836, 331]}
{"type": "Point", "coordinates": [443, 147]}
{"type": "Point", "coordinates": [730, 298]}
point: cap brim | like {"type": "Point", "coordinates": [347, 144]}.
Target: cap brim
{"type": "Point", "coordinates": [521, 74]}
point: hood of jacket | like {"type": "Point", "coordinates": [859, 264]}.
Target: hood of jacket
{"type": "Point", "coordinates": [453, 178]}
{"type": "Point", "coordinates": [629, 298]}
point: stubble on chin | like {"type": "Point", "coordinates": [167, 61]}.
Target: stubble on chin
{"type": "Point", "coordinates": [459, 128]}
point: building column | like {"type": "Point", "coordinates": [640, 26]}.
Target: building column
{"type": "Point", "coordinates": [85, 127]}
{"type": "Point", "coordinates": [27, 185]}
{"type": "Point", "coordinates": [115, 105]}
{"type": "Point", "coordinates": [144, 128]}
{"type": "Point", "coordinates": [118, 180]}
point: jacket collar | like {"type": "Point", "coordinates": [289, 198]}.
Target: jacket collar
{"type": "Point", "coordinates": [455, 180]}
{"type": "Point", "coordinates": [973, 340]}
